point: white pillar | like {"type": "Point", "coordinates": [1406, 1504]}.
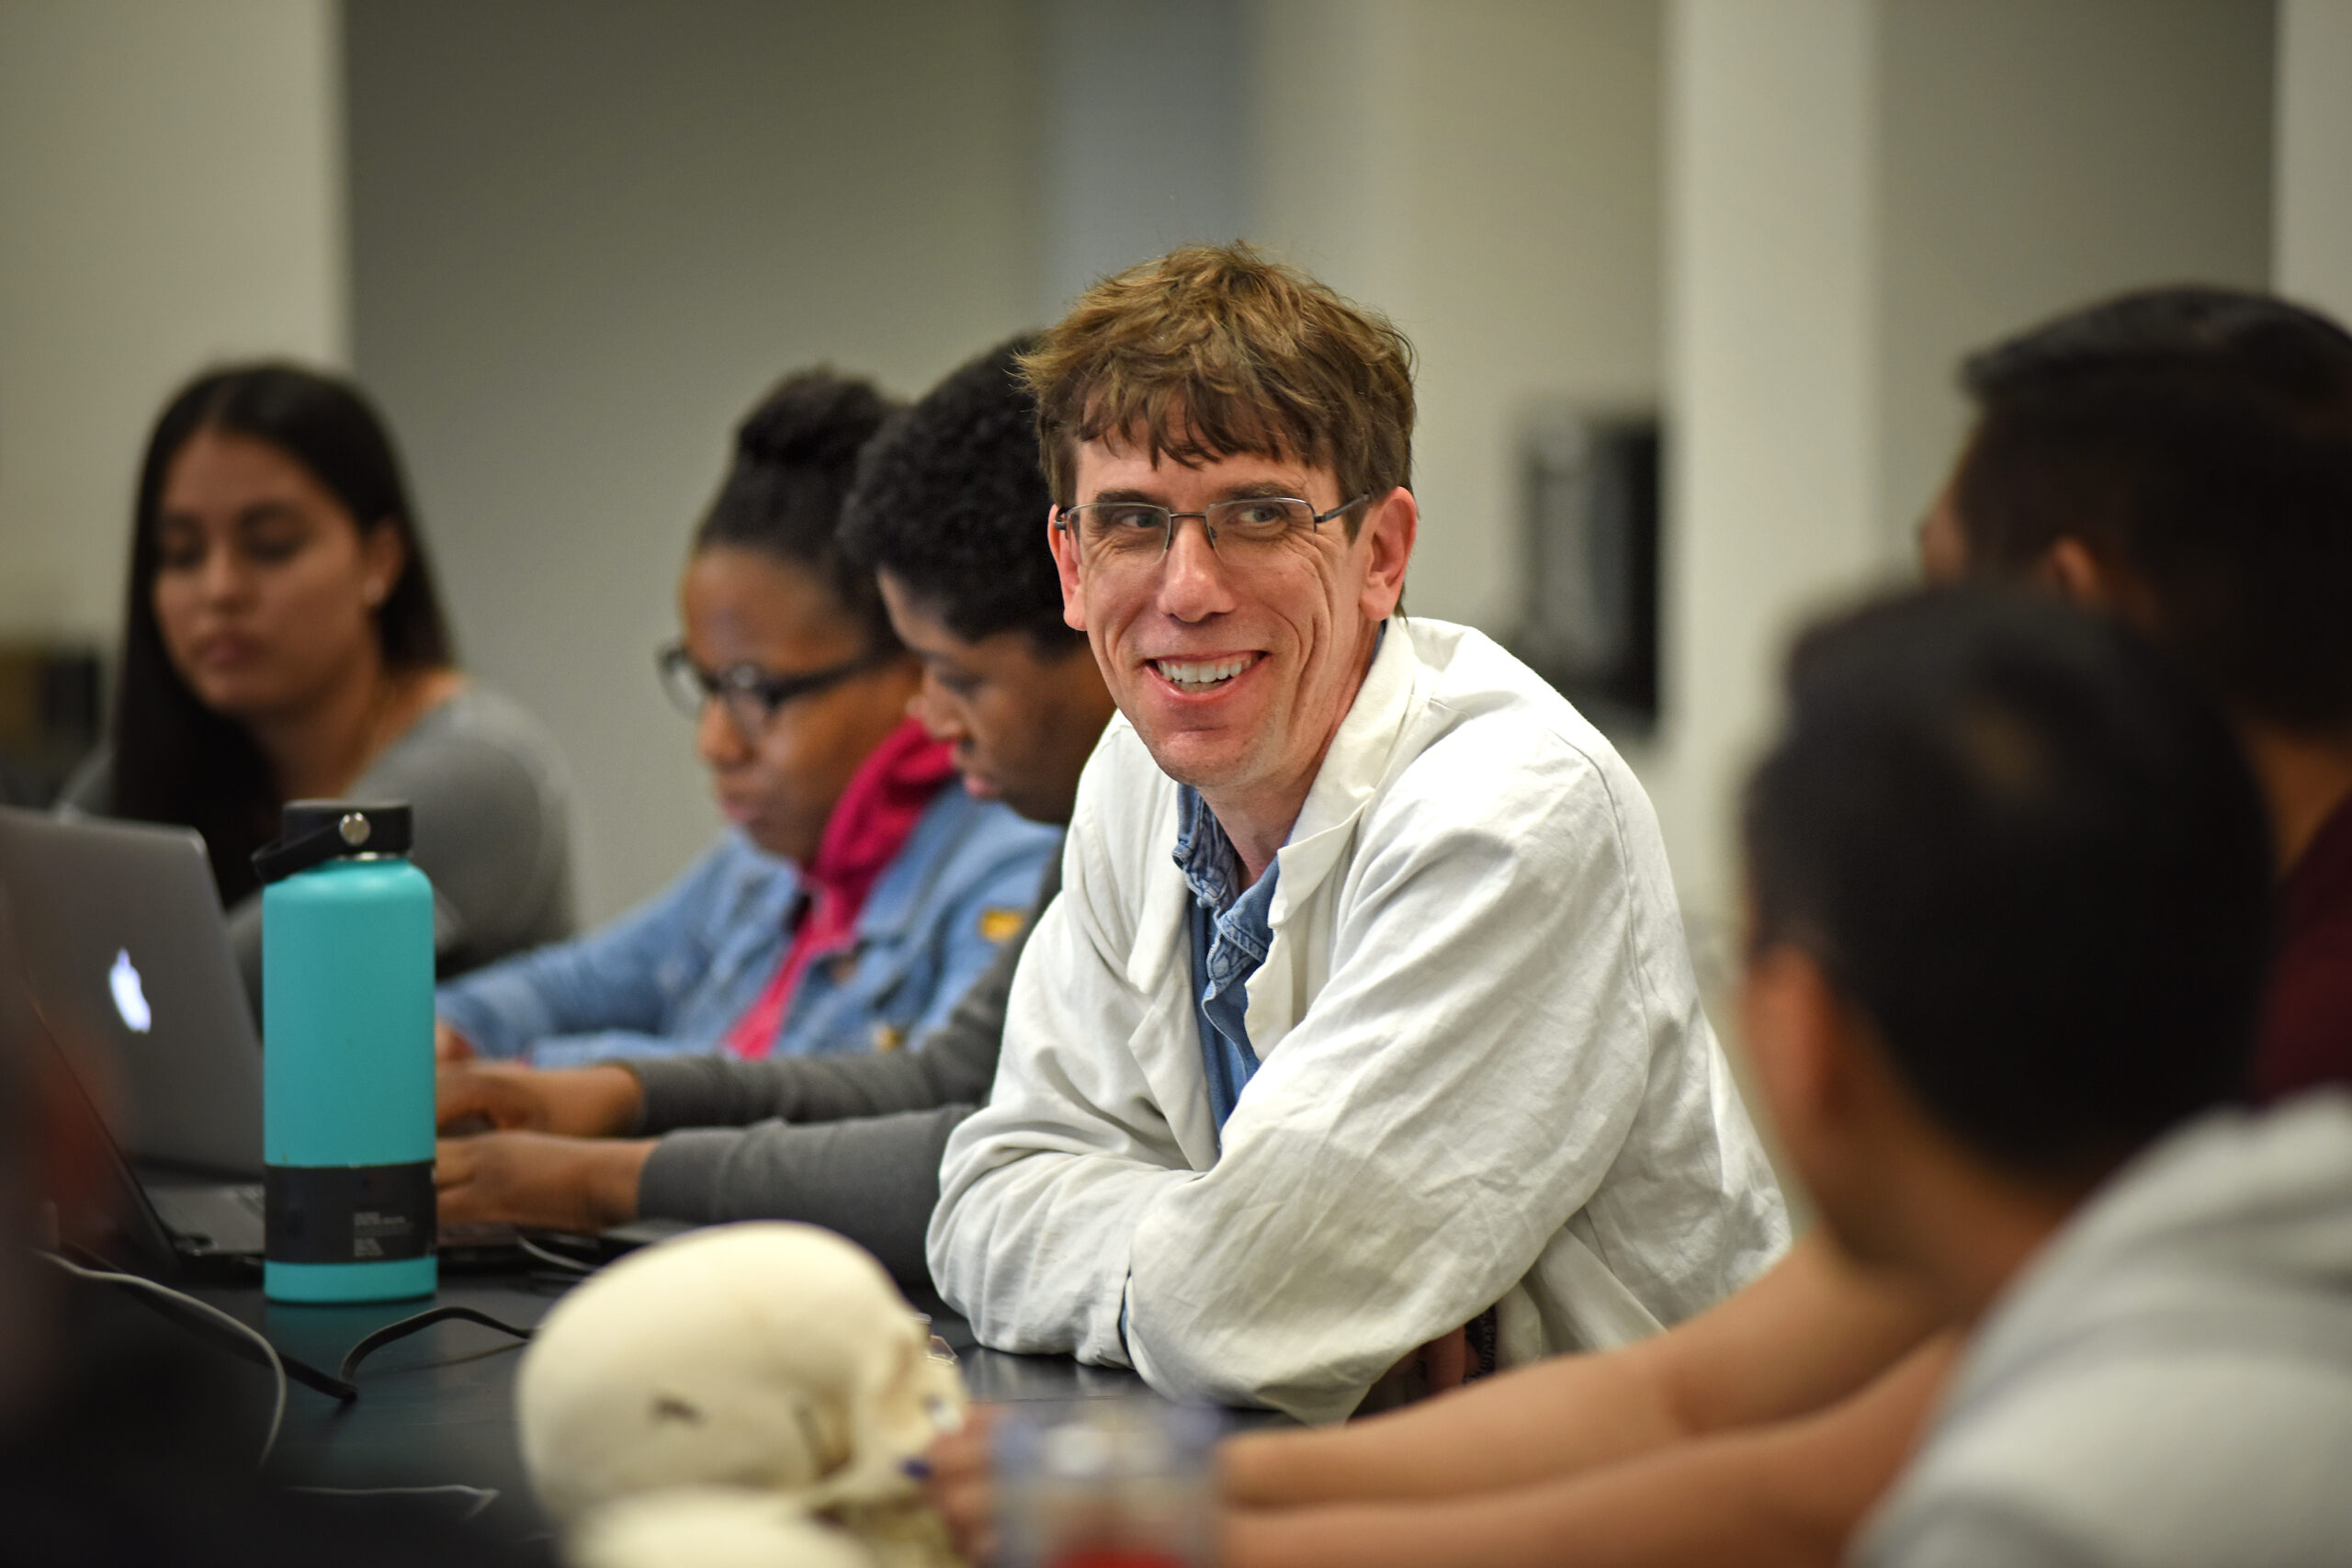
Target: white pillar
{"type": "Point", "coordinates": [1859, 192]}
{"type": "Point", "coordinates": [1769, 304]}
{"type": "Point", "coordinates": [2313, 182]}
{"type": "Point", "coordinates": [171, 194]}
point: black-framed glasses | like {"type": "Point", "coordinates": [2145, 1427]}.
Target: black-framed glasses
{"type": "Point", "coordinates": [1115, 536]}
{"type": "Point", "coordinates": [750, 694]}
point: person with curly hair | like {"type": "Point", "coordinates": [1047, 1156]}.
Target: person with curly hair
{"type": "Point", "coordinates": [948, 512]}
{"type": "Point", "coordinates": [857, 896]}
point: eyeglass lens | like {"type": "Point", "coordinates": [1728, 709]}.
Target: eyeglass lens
{"type": "Point", "coordinates": [1115, 533]}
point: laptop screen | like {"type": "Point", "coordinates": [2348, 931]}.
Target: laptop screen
{"type": "Point", "coordinates": [122, 941]}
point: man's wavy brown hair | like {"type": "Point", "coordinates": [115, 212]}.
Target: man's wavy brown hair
{"type": "Point", "coordinates": [1213, 351]}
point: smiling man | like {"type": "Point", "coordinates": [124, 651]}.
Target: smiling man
{"type": "Point", "coordinates": [1364, 1017]}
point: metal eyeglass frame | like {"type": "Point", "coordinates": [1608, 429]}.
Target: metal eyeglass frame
{"type": "Point", "coordinates": [1169, 518]}
{"type": "Point", "coordinates": [740, 683]}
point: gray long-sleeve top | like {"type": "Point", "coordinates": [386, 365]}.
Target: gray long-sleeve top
{"type": "Point", "coordinates": [849, 1143]}
{"type": "Point", "coordinates": [493, 829]}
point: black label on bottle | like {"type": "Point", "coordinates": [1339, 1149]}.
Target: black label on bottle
{"type": "Point", "coordinates": [348, 1213]}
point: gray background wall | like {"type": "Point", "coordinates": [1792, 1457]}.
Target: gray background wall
{"type": "Point", "coordinates": [586, 236]}
{"type": "Point", "coordinates": [568, 243]}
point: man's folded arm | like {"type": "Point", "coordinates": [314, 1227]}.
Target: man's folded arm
{"type": "Point", "coordinates": [1457, 1091]}
{"type": "Point", "coordinates": [1041, 1190]}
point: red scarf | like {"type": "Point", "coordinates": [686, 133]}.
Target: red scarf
{"type": "Point", "coordinates": [871, 823]}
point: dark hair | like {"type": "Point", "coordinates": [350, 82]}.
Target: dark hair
{"type": "Point", "coordinates": [795, 452]}
{"type": "Point", "coordinates": [951, 501]}
{"type": "Point", "coordinates": [1213, 350]}
{"type": "Point", "coordinates": [175, 760]}
{"type": "Point", "coordinates": [2023, 843]}
{"type": "Point", "coordinates": [2200, 440]}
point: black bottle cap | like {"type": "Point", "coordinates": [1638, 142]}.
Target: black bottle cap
{"type": "Point", "coordinates": [313, 833]}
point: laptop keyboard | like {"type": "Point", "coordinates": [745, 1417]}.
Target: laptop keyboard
{"type": "Point", "coordinates": [212, 1219]}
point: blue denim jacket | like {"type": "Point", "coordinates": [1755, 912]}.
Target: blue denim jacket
{"type": "Point", "coordinates": [671, 976]}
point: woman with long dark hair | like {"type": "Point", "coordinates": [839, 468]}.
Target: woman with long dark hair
{"type": "Point", "coordinates": [282, 640]}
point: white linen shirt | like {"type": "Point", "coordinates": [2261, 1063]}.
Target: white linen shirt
{"type": "Point", "coordinates": [1486, 1077]}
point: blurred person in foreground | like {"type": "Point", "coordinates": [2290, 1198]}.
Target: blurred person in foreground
{"type": "Point", "coordinates": [2010, 895]}
{"type": "Point", "coordinates": [858, 894]}
{"type": "Point", "coordinates": [283, 639]}
{"type": "Point", "coordinates": [2183, 458]}
{"type": "Point", "coordinates": [1364, 1021]}
{"type": "Point", "coordinates": [947, 510]}
{"type": "Point", "coordinates": [125, 1437]}
{"type": "Point", "coordinates": [2180, 458]}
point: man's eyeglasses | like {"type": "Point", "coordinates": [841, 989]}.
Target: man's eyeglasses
{"type": "Point", "coordinates": [1120, 535]}
{"type": "Point", "coordinates": [749, 693]}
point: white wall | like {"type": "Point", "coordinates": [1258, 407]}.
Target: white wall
{"type": "Point", "coordinates": [1146, 134]}
{"type": "Point", "coordinates": [2034, 154]}
{"type": "Point", "coordinates": [1487, 172]}
{"type": "Point", "coordinates": [171, 194]}
{"type": "Point", "coordinates": [2314, 153]}
{"type": "Point", "coordinates": [587, 237]}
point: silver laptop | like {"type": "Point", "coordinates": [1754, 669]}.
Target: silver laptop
{"type": "Point", "coordinates": [119, 928]}
{"type": "Point", "coordinates": [123, 939]}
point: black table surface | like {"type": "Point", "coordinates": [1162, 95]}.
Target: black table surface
{"type": "Point", "coordinates": [437, 1408]}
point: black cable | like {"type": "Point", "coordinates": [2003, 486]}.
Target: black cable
{"type": "Point", "coordinates": [297, 1368]}
{"type": "Point", "coordinates": [408, 1326]}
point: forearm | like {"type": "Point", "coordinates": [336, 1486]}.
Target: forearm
{"type": "Point", "coordinates": [555, 993]}
{"type": "Point", "coordinates": [1535, 1424]}
{"type": "Point", "coordinates": [1788, 1492]}
{"type": "Point", "coordinates": [1033, 1252]}
{"type": "Point", "coordinates": [721, 1091]}
{"type": "Point", "coordinates": [1808, 1333]}
{"type": "Point", "coordinates": [875, 1181]}
{"type": "Point", "coordinates": [1699, 1511]}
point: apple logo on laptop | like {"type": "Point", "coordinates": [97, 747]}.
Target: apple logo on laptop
{"type": "Point", "coordinates": [128, 1000]}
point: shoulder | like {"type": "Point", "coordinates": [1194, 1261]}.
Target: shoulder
{"type": "Point", "coordinates": [970, 837]}
{"type": "Point", "coordinates": [1488, 750]}
{"type": "Point", "coordinates": [481, 745]}
{"type": "Point", "coordinates": [734, 881]}
{"type": "Point", "coordinates": [1126, 806]}
{"type": "Point", "coordinates": [2165, 1454]}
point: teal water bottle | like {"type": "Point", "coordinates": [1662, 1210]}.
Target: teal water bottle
{"type": "Point", "coordinates": [346, 956]}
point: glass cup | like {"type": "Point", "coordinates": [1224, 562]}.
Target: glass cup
{"type": "Point", "coordinates": [1126, 1482]}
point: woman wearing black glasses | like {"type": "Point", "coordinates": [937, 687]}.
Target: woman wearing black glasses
{"type": "Point", "coordinates": [859, 893]}
{"type": "Point", "coordinates": [283, 640]}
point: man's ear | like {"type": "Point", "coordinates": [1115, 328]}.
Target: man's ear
{"type": "Point", "coordinates": [1801, 1035]}
{"type": "Point", "coordinates": [1392, 522]}
{"type": "Point", "coordinates": [1065, 548]}
{"type": "Point", "coordinates": [2079, 577]}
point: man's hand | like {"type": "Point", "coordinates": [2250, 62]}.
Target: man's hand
{"type": "Point", "coordinates": [962, 1485]}
{"type": "Point", "coordinates": [538, 1182]}
{"type": "Point", "coordinates": [581, 1102]}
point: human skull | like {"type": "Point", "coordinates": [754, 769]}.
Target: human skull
{"type": "Point", "coordinates": [712, 1526]}
{"type": "Point", "coordinates": [766, 1356]}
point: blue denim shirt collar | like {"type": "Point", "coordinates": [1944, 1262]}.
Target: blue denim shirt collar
{"type": "Point", "coordinates": [1231, 929]}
